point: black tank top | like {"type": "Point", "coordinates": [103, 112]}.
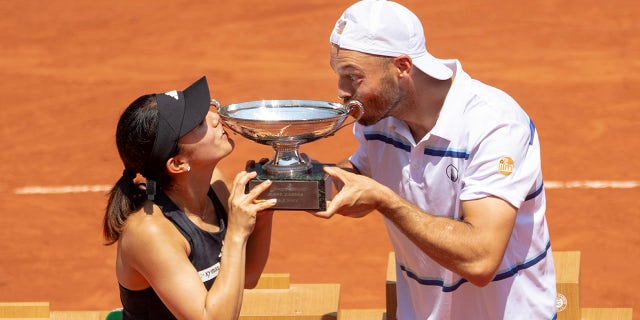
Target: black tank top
{"type": "Point", "coordinates": [206, 248]}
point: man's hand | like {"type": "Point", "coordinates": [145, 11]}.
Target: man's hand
{"type": "Point", "coordinates": [358, 196]}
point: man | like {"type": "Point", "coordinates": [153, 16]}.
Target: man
{"type": "Point", "coordinates": [452, 164]}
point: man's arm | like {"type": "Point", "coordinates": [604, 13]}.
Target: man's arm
{"type": "Point", "coordinates": [472, 247]}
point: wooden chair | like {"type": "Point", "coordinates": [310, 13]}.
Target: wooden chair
{"type": "Point", "coordinates": [86, 315]}
{"type": "Point", "coordinates": [276, 298]}
{"type": "Point", "coordinates": [24, 310]}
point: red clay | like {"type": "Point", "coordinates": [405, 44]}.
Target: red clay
{"type": "Point", "coordinates": [70, 68]}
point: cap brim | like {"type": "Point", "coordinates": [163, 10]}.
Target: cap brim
{"type": "Point", "coordinates": [432, 66]}
{"type": "Point", "coordinates": [196, 100]}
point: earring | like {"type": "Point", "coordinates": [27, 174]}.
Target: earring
{"type": "Point", "coordinates": [188, 168]}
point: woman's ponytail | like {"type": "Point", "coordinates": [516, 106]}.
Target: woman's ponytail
{"type": "Point", "coordinates": [126, 197]}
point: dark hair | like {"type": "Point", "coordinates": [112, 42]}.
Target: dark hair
{"type": "Point", "coordinates": [135, 136]}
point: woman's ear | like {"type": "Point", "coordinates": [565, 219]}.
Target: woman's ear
{"type": "Point", "coordinates": [177, 165]}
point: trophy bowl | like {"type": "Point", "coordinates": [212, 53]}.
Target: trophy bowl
{"type": "Point", "coordinates": [285, 124]}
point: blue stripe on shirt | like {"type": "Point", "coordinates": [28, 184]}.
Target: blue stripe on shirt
{"type": "Point", "coordinates": [532, 128]}
{"type": "Point", "coordinates": [500, 276]}
{"type": "Point", "coordinates": [448, 153]}
{"type": "Point", "coordinates": [389, 140]}
{"type": "Point", "coordinates": [535, 193]}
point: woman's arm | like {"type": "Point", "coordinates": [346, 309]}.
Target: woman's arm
{"type": "Point", "coordinates": [259, 242]}
{"type": "Point", "coordinates": [243, 211]}
{"type": "Point", "coordinates": [156, 253]}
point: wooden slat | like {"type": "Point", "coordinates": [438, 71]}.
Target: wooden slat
{"type": "Point", "coordinates": [567, 264]}
{"type": "Point", "coordinates": [390, 287]}
{"type": "Point", "coordinates": [79, 315]}
{"type": "Point", "coordinates": [300, 301]}
{"type": "Point", "coordinates": [273, 281]}
{"type": "Point", "coordinates": [607, 313]}
{"type": "Point", "coordinates": [24, 310]}
{"type": "Point", "coordinates": [362, 314]}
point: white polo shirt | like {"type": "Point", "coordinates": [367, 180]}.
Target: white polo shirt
{"type": "Point", "coordinates": [483, 144]}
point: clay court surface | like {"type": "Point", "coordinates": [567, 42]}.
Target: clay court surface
{"type": "Point", "coordinates": [70, 67]}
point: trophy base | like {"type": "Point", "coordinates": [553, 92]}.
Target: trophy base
{"type": "Point", "coordinates": [306, 191]}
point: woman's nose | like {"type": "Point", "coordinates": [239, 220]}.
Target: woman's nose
{"type": "Point", "coordinates": [214, 118]}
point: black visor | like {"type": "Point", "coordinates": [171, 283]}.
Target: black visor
{"type": "Point", "coordinates": [178, 113]}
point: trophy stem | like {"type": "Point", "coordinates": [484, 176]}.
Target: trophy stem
{"type": "Point", "coordinates": [287, 159]}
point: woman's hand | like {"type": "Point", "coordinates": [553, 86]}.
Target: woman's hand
{"type": "Point", "coordinates": [244, 208]}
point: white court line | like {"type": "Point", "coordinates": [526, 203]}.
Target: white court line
{"type": "Point", "coordinates": [591, 184]}
{"type": "Point", "coordinates": [577, 184]}
{"type": "Point", "coordinates": [62, 189]}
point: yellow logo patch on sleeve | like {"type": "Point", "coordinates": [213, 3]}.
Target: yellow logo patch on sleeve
{"type": "Point", "coordinates": [505, 166]}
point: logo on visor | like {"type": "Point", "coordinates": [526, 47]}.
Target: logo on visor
{"type": "Point", "coordinates": [173, 94]}
{"type": "Point", "coordinates": [506, 166]}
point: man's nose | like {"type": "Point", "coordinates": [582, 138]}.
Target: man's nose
{"type": "Point", "coordinates": [344, 95]}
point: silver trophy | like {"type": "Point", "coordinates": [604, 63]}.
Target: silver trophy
{"type": "Point", "coordinates": [297, 182]}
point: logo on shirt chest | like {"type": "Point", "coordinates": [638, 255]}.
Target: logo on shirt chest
{"type": "Point", "coordinates": [452, 173]}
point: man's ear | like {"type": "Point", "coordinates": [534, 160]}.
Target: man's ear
{"type": "Point", "coordinates": [404, 64]}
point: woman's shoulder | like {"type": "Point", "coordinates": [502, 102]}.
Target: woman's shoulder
{"type": "Point", "coordinates": [148, 240]}
{"type": "Point", "coordinates": [148, 225]}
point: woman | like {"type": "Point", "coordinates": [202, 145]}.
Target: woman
{"type": "Point", "coordinates": [171, 230]}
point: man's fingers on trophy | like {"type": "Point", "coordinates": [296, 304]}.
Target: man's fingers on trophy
{"type": "Point", "coordinates": [322, 214]}
{"type": "Point", "coordinates": [329, 169]}
{"type": "Point", "coordinates": [337, 184]}
{"type": "Point", "coordinates": [335, 172]}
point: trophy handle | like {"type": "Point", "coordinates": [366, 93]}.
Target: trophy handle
{"type": "Point", "coordinates": [353, 104]}
{"type": "Point", "coordinates": [215, 103]}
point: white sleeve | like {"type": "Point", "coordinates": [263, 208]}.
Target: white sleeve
{"type": "Point", "coordinates": [505, 162]}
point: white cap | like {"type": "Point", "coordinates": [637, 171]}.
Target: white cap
{"type": "Point", "coordinates": [386, 28]}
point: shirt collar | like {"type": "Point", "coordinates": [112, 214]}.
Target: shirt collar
{"type": "Point", "coordinates": [449, 120]}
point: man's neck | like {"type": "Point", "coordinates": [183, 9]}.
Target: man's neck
{"type": "Point", "coordinates": [424, 109]}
